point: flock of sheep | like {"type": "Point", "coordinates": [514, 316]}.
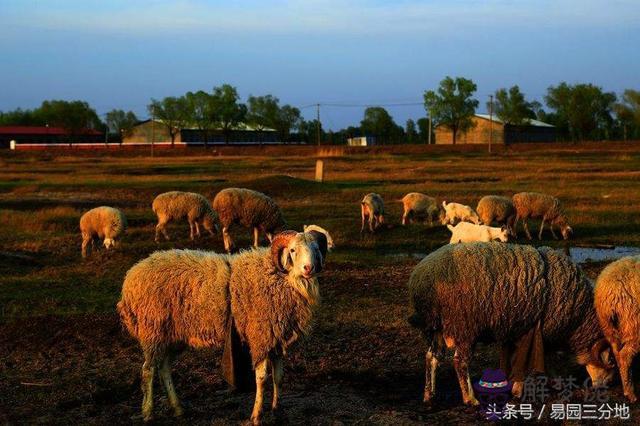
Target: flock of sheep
{"type": "Point", "coordinates": [256, 303]}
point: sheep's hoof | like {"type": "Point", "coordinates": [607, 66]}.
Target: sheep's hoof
{"type": "Point", "coordinates": [256, 420]}
{"type": "Point", "coordinates": [178, 411]}
{"type": "Point", "coordinates": [632, 398]}
{"type": "Point", "coordinates": [471, 402]}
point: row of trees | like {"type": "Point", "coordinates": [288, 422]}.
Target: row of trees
{"type": "Point", "coordinates": [580, 112]}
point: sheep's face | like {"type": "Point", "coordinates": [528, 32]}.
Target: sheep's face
{"type": "Point", "coordinates": [109, 242]}
{"type": "Point", "coordinates": [299, 254]}
{"type": "Point", "coordinates": [503, 235]}
{"type": "Point", "coordinates": [567, 232]}
{"type": "Point", "coordinates": [210, 224]}
{"type": "Point", "coordinates": [599, 363]}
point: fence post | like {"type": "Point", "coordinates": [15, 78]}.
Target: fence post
{"type": "Point", "coordinates": [319, 171]}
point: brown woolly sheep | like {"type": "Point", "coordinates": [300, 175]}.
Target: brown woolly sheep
{"type": "Point", "coordinates": [533, 205]}
{"type": "Point", "coordinates": [177, 205]}
{"type": "Point", "coordinates": [102, 222]}
{"type": "Point", "coordinates": [417, 206]}
{"type": "Point", "coordinates": [262, 299]}
{"type": "Point", "coordinates": [495, 208]}
{"type": "Point", "coordinates": [617, 300]}
{"type": "Point", "coordinates": [462, 294]}
{"type": "Point", "coordinates": [372, 211]}
{"type": "Point", "coordinates": [250, 209]}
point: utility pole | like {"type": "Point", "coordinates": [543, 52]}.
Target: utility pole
{"type": "Point", "coordinates": [153, 133]}
{"type": "Point", "coordinates": [430, 124]}
{"type": "Point", "coordinates": [318, 123]}
{"type": "Point", "coordinates": [490, 121]}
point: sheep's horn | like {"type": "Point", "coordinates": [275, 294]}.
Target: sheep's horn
{"type": "Point", "coordinates": [321, 239]}
{"type": "Point", "coordinates": [279, 242]}
{"type": "Point", "coordinates": [596, 350]}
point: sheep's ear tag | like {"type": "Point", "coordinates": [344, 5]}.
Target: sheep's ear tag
{"type": "Point", "coordinates": [236, 364]}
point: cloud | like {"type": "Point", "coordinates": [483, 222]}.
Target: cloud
{"type": "Point", "coordinates": [321, 17]}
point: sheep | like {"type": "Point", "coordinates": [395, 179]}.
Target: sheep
{"type": "Point", "coordinates": [250, 209]}
{"type": "Point", "coordinates": [307, 228]}
{"type": "Point", "coordinates": [261, 300]}
{"type": "Point", "coordinates": [617, 301]}
{"type": "Point", "coordinates": [465, 232]}
{"type": "Point", "coordinates": [454, 212]}
{"type": "Point", "coordinates": [499, 209]}
{"type": "Point", "coordinates": [178, 205]}
{"type": "Point", "coordinates": [372, 211]}
{"type": "Point", "coordinates": [421, 207]}
{"type": "Point", "coordinates": [102, 222]}
{"type": "Point", "coordinates": [533, 205]}
{"type": "Point", "coordinates": [462, 294]}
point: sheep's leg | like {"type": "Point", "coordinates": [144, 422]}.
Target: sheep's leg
{"type": "Point", "coordinates": [372, 223]}
{"type": "Point", "coordinates": [256, 237]}
{"type": "Point", "coordinates": [226, 237]}
{"type": "Point", "coordinates": [461, 365]}
{"type": "Point", "coordinates": [526, 228]}
{"type": "Point", "coordinates": [85, 244]}
{"type": "Point", "coordinates": [161, 227]}
{"type": "Point", "coordinates": [405, 216]}
{"type": "Point", "coordinates": [261, 378]}
{"type": "Point", "coordinates": [552, 231]}
{"type": "Point", "coordinates": [191, 233]}
{"type": "Point", "coordinates": [364, 217]}
{"type": "Point", "coordinates": [541, 229]}
{"type": "Point", "coordinates": [277, 372]}
{"type": "Point", "coordinates": [515, 227]}
{"type": "Point", "coordinates": [197, 229]}
{"type": "Point", "coordinates": [165, 375]}
{"type": "Point", "coordinates": [624, 359]}
{"type": "Point", "coordinates": [148, 371]}
{"type": "Point", "coordinates": [431, 363]}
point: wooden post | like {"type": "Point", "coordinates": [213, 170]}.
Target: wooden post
{"type": "Point", "coordinates": [319, 171]}
{"type": "Point", "coordinates": [490, 121]}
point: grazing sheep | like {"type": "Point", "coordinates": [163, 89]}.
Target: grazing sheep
{"type": "Point", "coordinates": [263, 299]}
{"type": "Point", "coordinates": [462, 294]}
{"type": "Point", "coordinates": [102, 222]}
{"type": "Point", "coordinates": [250, 209]}
{"type": "Point", "coordinates": [533, 205]}
{"type": "Point", "coordinates": [465, 232]}
{"type": "Point", "coordinates": [417, 206]}
{"type": "Point", "coordinates": [454, 212]}
{"type": "Point", "coordinates": [372, 210]}
{"type": "Point", "coordinates": [617, 301]}
{"type": "Point", "coordinates": [307, 228]}
{"type": "Point", "coordinates": [495, 208]}
{"type": "Point", "coordinates": [178, 205]}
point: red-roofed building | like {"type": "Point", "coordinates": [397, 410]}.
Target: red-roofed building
{"type": "Point", "coordinates": [16, 136]}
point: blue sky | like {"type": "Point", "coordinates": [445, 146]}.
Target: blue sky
{"type": "Point", "coordinates": [119, 54]}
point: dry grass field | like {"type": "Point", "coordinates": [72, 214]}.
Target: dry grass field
{"type": "Point", "coordinates": [64, 357]}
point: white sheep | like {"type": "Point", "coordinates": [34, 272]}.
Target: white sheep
{"type": "Point", "coordinates": [256, 304]}
{"type": "Point", "coordinates": [372, 211]}
{"type": "Point", "coordinates": [102, 222]}
{"type": "Point", "coordinates": [308, 228]}
{"type": "Point", "coordinates": [465, 232]}
{"type": "Point", "coordinates": [455, 212]}
{"type": "Point", "coordinates": [178, 205]}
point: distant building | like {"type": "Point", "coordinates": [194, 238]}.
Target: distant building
{"type": "Point", "coordinates": [361, 141]}
{"type": "Point", "coordinates": [480, 133]}
{"type": "Point", "coordinates": [147, 130]}
{"type": "Point", "coordinates": [17, 137]}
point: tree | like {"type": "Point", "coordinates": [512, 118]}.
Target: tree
{"type": "Point", "coordinates": [288, 118]}
{"type": "Point", "coordinates": [308, 130]}
{"type": "Point", "coordinates": [228, 111]}
{"type": "Point", "coordinates": [263, 112]}
{"type": "Point", "coordinates": [511, 106]}
{"type": "Point", "coordinates": [628, 114]}
{"type": "Point", "coordinates": [411, 132]}
{"type": "Point", "coordinates": [379, 123]}
{"type": "Point", "coordinates": [172, 112]}
{"type": "Point", "coordinates": [121, 123]}
{"type": "Point", "coordinates": [201, 112]}
{"type": "Point", "coordinates": [583, 111]}
{"type": "Point", "coordinates": [423, 129]}
{"type": "Point", "coordinates": [19, 117]}
{"type": "Point", "coordinates": [452, 105]}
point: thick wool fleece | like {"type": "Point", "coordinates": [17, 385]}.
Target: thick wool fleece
{"type": "Point", "coordinates": [251, 209]}
{"type": "Point", "coordinates": [532, 205]}
{"type": "Point", "coordinates": [374, 203]}
{"type": "Point", "coordinates": [469, 291]}
{"type": "Point", "coordinates": [617, 300]}
{"type": "Point", "coordinates": [495, 208]}
{"type": "Point", "coordinates": [421, 205]}
{"type": "Point", "coordinates": [176, 205]}
{"type": "Point", "coordinates": [103, 222]}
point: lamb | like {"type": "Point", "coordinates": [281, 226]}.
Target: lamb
{"type": "Point", "coordinates": [465, 232]}
{"type": "Point", "coordinates": [372, 211]}
{"type": "Point", "coordinates": [617, 301]}
{"type": "Point", "coordinates": [462, 294]}
{"type": "Point", "coordinates": [307, 228]}
{"type": "Point", "coordinates": [178, 205]}
{"type": "Point", "coordinates": [495, 208]}
{"type": "Point", "coordinates": [417, 206]}
{"type": "Point", "coordinates": [251, 209]}
{"type": "Point", "coordinates": [102, 222]}
{"type": "Point", "coordinates": [533, 205]}
{"type": "Point", "coordinates": [256, 303]}
{"type": "Point", "coordinates": [455, 212]}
